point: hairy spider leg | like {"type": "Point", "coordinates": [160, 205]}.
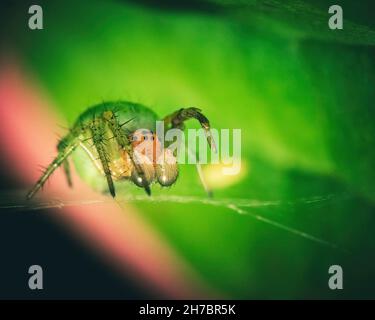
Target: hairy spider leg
{"type": "Point", "coordinates": [70, 145]}
{"type": "Point", "coordinates": [66, 166]}
{"type": "Point", "coordinates": [97, 128]}
{"type": "Point", "coordinates": [178, 118]}
{"type": "Point", "coordinates": [123, 142]}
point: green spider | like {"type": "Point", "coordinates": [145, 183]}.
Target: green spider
{"type": "Point", "coordinates": [110, 133]}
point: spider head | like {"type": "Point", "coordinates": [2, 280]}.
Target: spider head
{"type": "Point", "coordinates": [152, 160]}
{"type": "Point", "coordinates": [146, 142]}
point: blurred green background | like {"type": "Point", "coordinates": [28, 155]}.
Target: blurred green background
{"type": "Point", "coordinates": [303, 96]}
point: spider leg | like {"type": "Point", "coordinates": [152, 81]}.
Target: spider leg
{"type": "Point", "coordinates": [124, 143]}
{"type": "Point", "coordinates": [69, 146]}
{"type": "Point", "coordinates": [177, 119]}
{"type": "Point", "coordinates": [97, 129]}
{"type": "Point", "coordinates": [198, 166]}
{"type": "Point", "coordinates": [66, 166]}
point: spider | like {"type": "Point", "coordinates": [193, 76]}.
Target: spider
{"type": "Point", "coordinates": [110, 132]}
